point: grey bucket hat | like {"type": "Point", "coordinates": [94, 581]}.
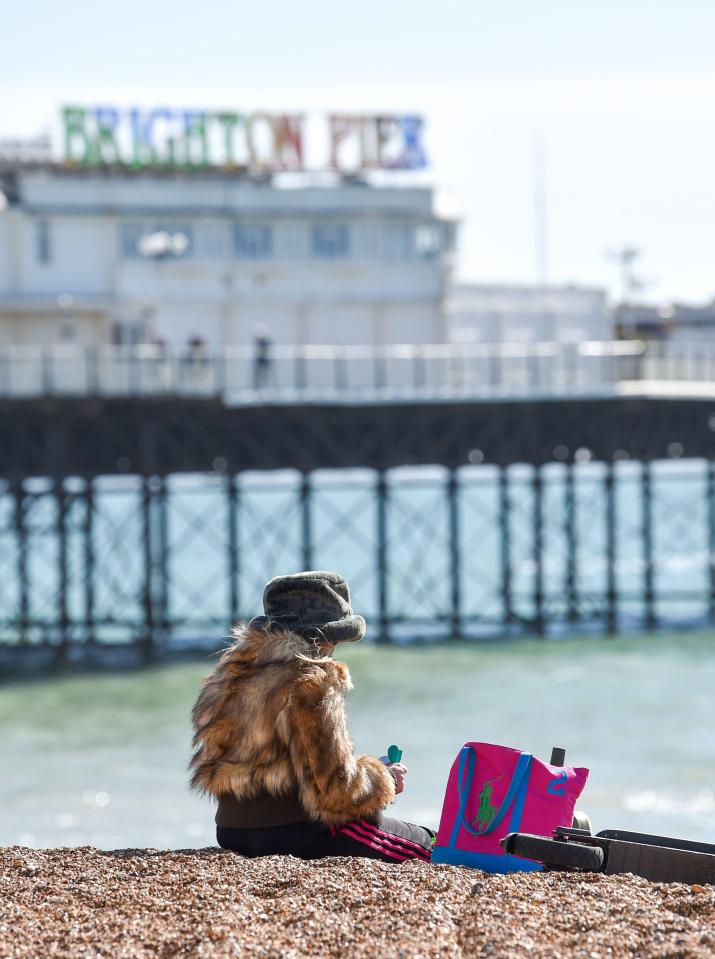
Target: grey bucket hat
{"type": "Point", "coordinates": [315, 604]}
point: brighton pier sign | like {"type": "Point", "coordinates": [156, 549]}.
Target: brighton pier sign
{"type": "Point", "coordinates": [254, 142]}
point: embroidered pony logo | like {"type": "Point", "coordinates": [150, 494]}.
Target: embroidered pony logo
{"type": "Point", "coordinates": [487, 811]}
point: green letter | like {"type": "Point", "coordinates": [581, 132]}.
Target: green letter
{"type": "Point", "coordinates": [75, 119]}
{"type": "Point", "coordinates": [195, 136]}
{"type": "Point", "coordinates": [229, 122]}
{"type": "Point", "coordinates": [107, 119]}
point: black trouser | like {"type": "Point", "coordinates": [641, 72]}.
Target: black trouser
{"type": "Point", "coordinates": [389, 840]}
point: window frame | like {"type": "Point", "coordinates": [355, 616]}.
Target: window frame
{"type": "Point", "coordinates": [256, 243]}
{"type": "Point", "coordinates": [43, 242]}
{"type": "Point", "coordinates": [321, 246]}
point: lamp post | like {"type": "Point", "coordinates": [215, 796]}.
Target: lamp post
{"type": "Point", "coordinates": [625, 257]}
{"type": "Point", "coordinates": [154, 247]}
{"type": "Point", "coordinates": [162, 245]}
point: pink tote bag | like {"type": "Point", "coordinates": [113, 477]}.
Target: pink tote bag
{"type": "Point", "coordinates": [495, 790]}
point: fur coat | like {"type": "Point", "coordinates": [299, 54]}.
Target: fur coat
{"type": "Point", "coordinates": [271, 717]}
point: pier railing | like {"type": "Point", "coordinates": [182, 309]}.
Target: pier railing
{"type": "Point", "coordinates": [355, 373]}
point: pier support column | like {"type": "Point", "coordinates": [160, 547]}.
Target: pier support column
{"type": "Point", "coordinates": [90, 636]}
{"type": "Point", "coordinates": [538, 551]}
{"type": "Point", "coordinates": [648, 572]}
{"type": "Point", "coordinates": [505, 547]}
{"type": "Point", "coordinates": [61, 499]}
{"type": "Point", "coordinates": [571, 535]}
{"type": "Point", "coordinates": [710, 512]}
{"type": "Point", "coordinates": [611, 557]}
{"type": "Point", "coordinates": [306, 521]}
{"type": "Point", "coordinates": [232, 494]}
{"type": "Point", "coordinates": [23, 585]}
{"type": "Point", "coordinates": [155, 591]}
{"type": "Point", "coordinates": [164, 584]}
{"type": "Point", "coordinates": [147, 638]}
{"type": "Point", "coordinates": [455, 560]}
{"type": "Point", "coordinates": [381, 490]}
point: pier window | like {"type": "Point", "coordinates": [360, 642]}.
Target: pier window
{"type": "Point", "coordinates": [43, 243]}
{"type": "Point", "coordinates": [449, 237]}
{"type": "Point", "coordinates": [330, 240]}
{"type": "Point", "coordinates": [398, 241]}
{"type": "Point", "coordinates": [129, 235]}
{"type": "Point", "coordinates": [427, 240]}
{"type": "Point", "coordinates": [253, 241]}
{"type": "Point", "coordinates": [212, 241]}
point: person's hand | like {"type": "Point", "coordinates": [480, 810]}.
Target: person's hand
{"type": "Point", "coordinates": [398, 774]}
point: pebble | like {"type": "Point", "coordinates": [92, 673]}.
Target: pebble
{"type": "Point", "coordinates": [207, 903]}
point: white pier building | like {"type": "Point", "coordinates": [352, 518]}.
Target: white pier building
{"type": "Point", "coordinates": [94, 251]}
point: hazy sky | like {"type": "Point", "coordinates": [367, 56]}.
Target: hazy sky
{"type": "Point", "coordinates": [621, 93]}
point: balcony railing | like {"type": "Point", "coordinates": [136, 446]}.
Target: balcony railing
{"type": "Point", "coordinates": [358, 373]}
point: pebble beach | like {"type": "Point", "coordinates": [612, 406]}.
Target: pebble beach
{"type": "Point", "coordinates": [82, 902]}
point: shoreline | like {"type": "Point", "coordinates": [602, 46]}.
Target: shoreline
{"type": "Point", "coordinates": [84, 902]}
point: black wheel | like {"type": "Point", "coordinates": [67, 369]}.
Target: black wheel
{"type": "Point", "coordinates": [566, 855]}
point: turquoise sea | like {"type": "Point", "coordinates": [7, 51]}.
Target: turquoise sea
{"type": "Point", "coordinates": [101, 759]}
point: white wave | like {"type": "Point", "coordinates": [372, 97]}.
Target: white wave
{"type": "Point", "coordinates": [650, 801]}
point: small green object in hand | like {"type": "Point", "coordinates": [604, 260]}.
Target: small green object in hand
{"type": "Point", "coordinates": [394, 754]}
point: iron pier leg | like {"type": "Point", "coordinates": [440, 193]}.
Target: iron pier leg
{"type": "Point", "coordinates": [233, 584]}
{"type": "Point", "coordinates": [148, 638]}
{"type": "Point", "coordinates": [710, 492]}
{"type": "Point", "coordinates": [611, 559]}
{"type": "Point", "coordinates": [538, 486]}
{"type": "Point", "coordinates": [22, 570]}
{"type": "Point", "coordinates": [648, 578]}
{"type": "Point", "coordinates": [381, 490]}
{"type": "Point", "coordinates": [571, 531]}
{"type": "Point", "coordinates": [90, 636]}
{"type": "Point", "coordinates": [162, 540]}
{"type": "Point", "coordinates": [6, 547]}
{"type": "Point", "coordinates": [61, 531]}
{"type": "Point", "coordinates": [454, 553]}
{"type": "Point", "coordinates": [306, 521]}
{"type": "Point", "coordinates": [505, 546]}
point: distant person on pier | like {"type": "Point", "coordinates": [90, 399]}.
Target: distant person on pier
{"type": "Point", "coordinates": [195, 360]}
{"type": "Point", "coordinates": [271, 739]}
{"type": "Point", "coordinates": [262, 360]}
{"type": "Point", "coordinates": [196, 349]}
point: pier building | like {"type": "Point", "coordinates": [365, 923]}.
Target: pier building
{"type": "Point", "coordinates": [157, 239]}
{"type": "Point", "coordinates": [523, 313]}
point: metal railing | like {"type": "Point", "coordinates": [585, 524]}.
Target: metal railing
{"type": "Point", "coordinates": [356, 373]}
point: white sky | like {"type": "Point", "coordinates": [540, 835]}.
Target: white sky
{"type": "Point", "coordinates": [620, 91]}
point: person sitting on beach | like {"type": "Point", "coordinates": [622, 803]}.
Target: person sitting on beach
{"type": "Point", "coordinates": [271, 739]}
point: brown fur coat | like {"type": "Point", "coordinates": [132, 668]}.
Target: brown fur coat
{"type": "Point", "coordinates": [271, 716]}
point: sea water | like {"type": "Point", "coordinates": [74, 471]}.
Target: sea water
{"type": "Point", "coordinates": [101, 759]}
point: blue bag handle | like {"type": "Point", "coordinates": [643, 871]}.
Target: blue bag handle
{"type": "Point", "coordinates": [468, 758]}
